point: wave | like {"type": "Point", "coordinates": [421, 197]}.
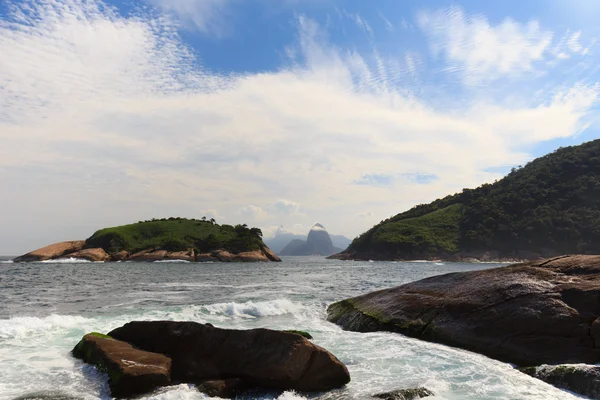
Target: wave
{"type": "Point", "coordinates": [6, 262]}
{"type": "Point", "coordinates": [66, 261]}
{"type": "Point", "coordinates": [257, 309]}
{"type": "Point", "coordinates": [171, 261]}
{"type": "Point", "coordinates": [17, 327]}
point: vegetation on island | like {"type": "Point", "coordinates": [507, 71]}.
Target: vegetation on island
{"type": "Point", "coordinates": [177, 234]}
{"type": "Point", "coordinates": [549, 206]}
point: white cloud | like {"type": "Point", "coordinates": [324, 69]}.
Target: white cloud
{"type": "Point", "coordinates": [134, 129]}
{"type": "Point", "coordinates": [481, 51]}
{"type": "Point", "coordinates": [207, 16]}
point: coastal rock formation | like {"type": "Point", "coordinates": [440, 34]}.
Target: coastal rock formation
{"type": "Point", "coordinates": [130, 371]}
{"type": "Point", "coordinates": [95, 255]}
{"type": "Point", "coordinates": [283, 237]}
{"type": "Point", "coordinates": [404, 394]}
{"type": "Point", "coordinates": [578, 378]}
{"type": "Point", "coordinates": [318, 242]}
{"type": "Point", "coordinates": [543, 312]}
{"type": "Point", "coordinates": [261, 357]}
{"type": "Point", "coordinates": [52, 251]}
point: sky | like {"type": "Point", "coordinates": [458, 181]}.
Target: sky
{"type": "Point", "coordinates": [274, 113]}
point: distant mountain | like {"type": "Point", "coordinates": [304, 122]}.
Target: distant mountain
{"type": "Point", "coordinates": [551, 206]}
{"type": "Point", "coordinates": [318, 242]}
{"type": "Point", "coordinates": [283, 237]}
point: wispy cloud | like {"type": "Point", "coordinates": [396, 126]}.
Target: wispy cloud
{"type": "Point", "coordinates": [207, 16]}
{"type": "Point", "coordinates": [480, 51]}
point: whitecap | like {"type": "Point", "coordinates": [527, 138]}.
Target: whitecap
{"type": "Point", "coordinates": [171, 261]}
{"type": "Point", "coordinates": [66, 261]}
{"type": "Point", "coordinates": [18, 327]}
{"type": "Point", "coordinates": [257, 309]}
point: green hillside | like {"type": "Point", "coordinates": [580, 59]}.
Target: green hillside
{"type": "Point", "coordinates": [550, 206]}
{"type": "Point", "coordinates": [177, 234]}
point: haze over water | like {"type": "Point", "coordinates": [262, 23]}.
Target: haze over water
{"type": "Point", "coordinates": [47, 307]}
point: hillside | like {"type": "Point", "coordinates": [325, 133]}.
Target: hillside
{"type": "Point", "coordinates": [548, 207]}
{"type": "Point", "coordinates": [177, 234]}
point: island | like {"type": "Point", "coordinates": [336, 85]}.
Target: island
{"type": "Point", "coordinates": [178, 239]}
{"type": "Point", "coordinates": [551, 206]}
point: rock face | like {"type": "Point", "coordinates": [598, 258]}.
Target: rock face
{"type": "Point", "coordinates": [318, 242]}
{"type": "Point", "coordinates": [55, 250]}
{"type": "Point", "coordinates": [261, 357]}
{"type": "Point", "coordinates": [404, 394]}
{"type": "Point", "coordinates": [90, 255]}
{"type": "Point", "coordinates": [543, 312]}
{"type": "Point", "coordinates": [282, 238]}
{"type": "Point", "coordinates": [578, 378]}
{"type": "Point", "coordinates": [130, 371]}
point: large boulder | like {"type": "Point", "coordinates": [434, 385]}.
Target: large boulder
{"type": "Point", "coordinates": [404, 394]}
{"type": "Point", "coordinates": [52, 251]}
{"type": "Point", "coordinates": [261, 357]}
{"type": "Point", "coordinates": [97, 254]}
{"type": "Point", "coordinates": [130, 371]}
{"type": "Point", "coordinates": [253, 256]}
{"type": "Point", "coordinates": [578, 378]}
{"type": "Point", "coordinates": [543, 312]}
{"type": "Point", "coordinates": [181, 255]}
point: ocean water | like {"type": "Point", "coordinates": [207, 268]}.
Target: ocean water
{"type": "Point", "coordinates": [45, 308]}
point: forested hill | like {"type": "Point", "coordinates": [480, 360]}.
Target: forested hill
{"type": "Point", "coordinates": [548, 207]}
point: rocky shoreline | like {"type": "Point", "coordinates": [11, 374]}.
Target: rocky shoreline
{"type": "Point", "coordinates": [476, 256]}
{"type": "Point", "coordinates": [530, 314]}
{"type": "Point", "coordinates": [77, 249]}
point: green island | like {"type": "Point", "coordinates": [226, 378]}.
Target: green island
{"type": "Point", "coordinates": [163, 239]}
{"type": "Point", "coordinates": [548, 207]}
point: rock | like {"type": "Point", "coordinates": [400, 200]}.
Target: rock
{"type": "Point", "coordinates": [301, 333]}
{"type": "Point", "coordinates": [130, 371]}
{"type": "Point", "coordinates": [205, 257]}
{"type": "Point", "coordinates": [252, 256]}
{"type": "Point", "coordinates": [541, 312]}
{"type": "Point", "coordinates": [223, 255]}
{"type": "Point", "coordinates": [119, 256]}
{"type": "Point", "coordinates": [404, 394]}
{"type": "Point", "coordinates": [225, 388]}
{"type": "Point", "coordinates": [148, 255]}
{"type": "Point", "coordinates": [53, 251]}
{"type": "Point", "coordinates": [47, 395]}
{"type": "Point", "coordinates": [181, 255]}
{"type": "Point", "coordinates": [270, 254]}
{"type": "Point", "coordinates": [579, 378]}
{"type": "Point", "coordinates": [318, 242]}
{"type": "Point", "coordinates": [96, 255]}
{"type": "Point", "coordinates": [261, 357]}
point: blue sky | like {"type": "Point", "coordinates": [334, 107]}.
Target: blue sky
{"type": "Point", "coordinates": [277, 112]}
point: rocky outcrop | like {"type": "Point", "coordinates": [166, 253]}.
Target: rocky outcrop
{"type": "Point", "coordinates": [260, 357]}
{"type": "Point", "coordinates": [253, 256]}
{"type": "Point", "coordinates": [53, 251]}
{"type": "Point", "coordinates": [404, 394]}
{"type": "Point", "coordinates": [578, 378]}
{"type": "Point", "coordinates": [543, 312]}
{"type": "Point", "coordinates": [94, 255]}
{"type": "Point", "coordinates": [119, 256]}
{"type": "Point", "coordinates": [182, 255]}
{"type": "Point", "coordinates": [318, 242]}
{"type": "Point", "coordinates": [130, 371]}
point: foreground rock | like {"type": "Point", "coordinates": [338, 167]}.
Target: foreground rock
{"type": "Point", "coordinates": [544, 312]}
{"type": "Point", "coordinates": [130, 371]}
{"type": "Point", "coordinates": [404, 394]}
{"type": "Point", "coordinates": [53, 251]}
{"type": "Point", "coordinates": [260, 357]}
{"type": "Point", "coordinates": [578, 378]}
{"type": "Point", "coordinates": [94, 255]}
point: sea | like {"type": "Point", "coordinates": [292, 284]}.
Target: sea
{"type": "Point", "coordinates": [46, 307]}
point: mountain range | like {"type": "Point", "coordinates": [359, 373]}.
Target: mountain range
{"type": "Point", "coordinates": [283, 238]}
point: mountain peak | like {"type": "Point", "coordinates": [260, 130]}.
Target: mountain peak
{"type": "Point", "coordinates": [318, 227]}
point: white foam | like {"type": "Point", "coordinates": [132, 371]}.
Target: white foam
{"type": "Point", "coordinates": [69, 260]}
{"type": "Point", "coordinates": [252, 309]}
{"type": "Point", "coordinates": [7, 262]}
{"type": "Point", "coordinates": [171, 261]}
{"type": "Point", "coordinates": [19, 327]}
{"type": "Point", "coordinates": [291, 396]}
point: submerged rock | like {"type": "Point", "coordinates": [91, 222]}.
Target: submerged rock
{"type": "Point", "coordinates": [261, 357]}
{"type": "Point", "coordinates": [404, 394]}
{"type": "Point", "coordinates": [52, 251]}
{"type": "Point", "coordinates": [47, 395]}
{"type": "Point", "coordinates": [224, 388]}
{"type": "Point", "coordinates": [578, 378]}
{"type": "Point", "coordinates": [130, 371]}
{"type": "Point", "coordinates": [543, 312]}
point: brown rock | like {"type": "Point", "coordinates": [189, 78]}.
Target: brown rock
{"type": "Point", "coordinates": [53, 251]}
{"type": "Point", "coordinates": [96, 255]}
{"type": "Point", "coordinates": [119, 256]}
{"type": "Point", "coordinates": [253, 256]}
{"type": "Point", "coordinates": [404, 394]}
{"type": "Point", "coordinates": [261, 357]}
{"type": "Point", "coordinates": [205, 257]}
{"type": "Point", "coordinates": [223, 255]}
{"type": "Point", "coordinates": [148, 255]}
{"type": "Point", "coordinates": [270, 255]}
{"type": "Point", "coordinates": [130, 371]}
{"type": "Point", "coordinates": [181, 255]}
{"type": "Point", "coordinates": [540, 312]}
{"type": "Point", "coordinates": [225, 388]}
